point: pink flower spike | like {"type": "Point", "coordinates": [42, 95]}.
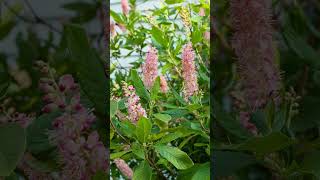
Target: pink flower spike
{"type": "Point", "coordinates": [124, 168]}
{"type": "Point", "coordinates": [49, 108]}
{"type": "Point", "coordinates": [254, 46]}
{"type": "Point", "coordinates": [135, 110]}
{"type": "Point", "coordinates": [189, 72]}
{"type": "Point", "coordinates": [66, 82]}
{"type": "Point", "coordinates": [150, 67]}
{"type": "Point", "coordinates": [93, 139]}
{"type": "Point", "coordinates": [207, 35]}
{"type": "Point", "coordinates": [125, 7]}
{"type": "Point", "coordinates": [202, 12]}
{"type": "Point", "coordinates": [163, 84]}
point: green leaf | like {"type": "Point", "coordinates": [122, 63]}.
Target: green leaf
{"type": "Point", "coordinates": [193, 107]}
{"type": "Point", "coordinates": [267, 144]}
{"type": "Point", "coordinates": [176, 113]}
{"type": "Point", "coordinates": [163, 117]}
{"type": "Point", "coordinates": [100, 175]}
{"type": "Point", "coordinates": [155, 89]}
{"type": "Point", "coordinates": [203, 172]}
{"type": "Point", "coordinates": [178, 158]}
{"type": "Point", "coordinates": [301, 47]}
{"type": "Point", "coordinates": [118, 154]}
{"type": "Point", "coordinates": [138, 85]}
{"type": "Point", "coordinates": [158, 36]}
{"type": "Point", "coordinates": [279, 120]}
{"type": "Point", "coordinates": [12, 147]}
{"type": "Point", "coordinates": [196, 36]}
{"type": "Point", "coordinates": [227, 162]}
{"type": "Point", "coordinates": [174, 135]}
{"type": "Point", "coordinates": [138, 150]}
{"type": "Point", "coordinates": [127, 128]}
{"type": "Point", "coordinates": [116, 17]}
{"type": "Point", "coordinates": [311, 163]}
{"type": "Point", "coordinates": [143, 172]}
{"type": "Point", "coordinates": [5, 29]}
{"type": "Point", "coordinates": [143, 129]}
{"type": "Point", "coordinates": [113, 108]}
{"type": "Point", "coordinates": [260, 120]}
{"type": "Point", "coordinates": [232, 125]}
{"type": "Point", "coordinates": [178, 97]}
{"type": "Point", "coordinates": [90, 69]}
{"type": "Point", "coordinates": [37, 137]}
{"type": "Point", "coordinates": [198, 171]}
{"type": "Point", "coordinates": [173, 1]}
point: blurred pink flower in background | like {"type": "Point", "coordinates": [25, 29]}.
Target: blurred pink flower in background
{"type": "Point", "coordinates": [125, 7]}
{"type": "Point", "coordinates": [207, 35]}
{"type": "Point", "coordinates": [150, 67]}
{"type": "Point", "coordinates": [202, 12]}
{"type": "Point", "coordinates": [189, 72]}
{"type": "Point", "coordinates": [112, 29]}
{"type": "Point", "coordinates": [81, 155]}
{"type": "Point", "coordinates": [254, 46]}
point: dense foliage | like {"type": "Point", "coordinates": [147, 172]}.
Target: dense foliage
{"type": "Point", "coordinates": [258, 136]}
{"type": "Point", "coordinates": [160, 100]}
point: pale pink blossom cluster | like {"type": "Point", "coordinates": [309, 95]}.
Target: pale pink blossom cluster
{"type": "Point", "coordinates": [150, 68]}
{"type": "Point", "coordinates": [189, 72]}
{"type": "Point", "coordinates": [125, 7]}
{"type": "Point", "coordinates": [135, 110]}
{"type": "Point", "coordinates": [81, 156]}
{"type": "Point", "coordinates": [254, 46]}
{"type": "Point", "coordinates": [207, 35]}
{"type": "Point", "coordinates": [22, 119]}
{"type": "Point", "coordinates": [124, 168]}
{"type": "Point", "coordinates": [163, 84]}
{"type": "Point", "coordinates": [202, 12]}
